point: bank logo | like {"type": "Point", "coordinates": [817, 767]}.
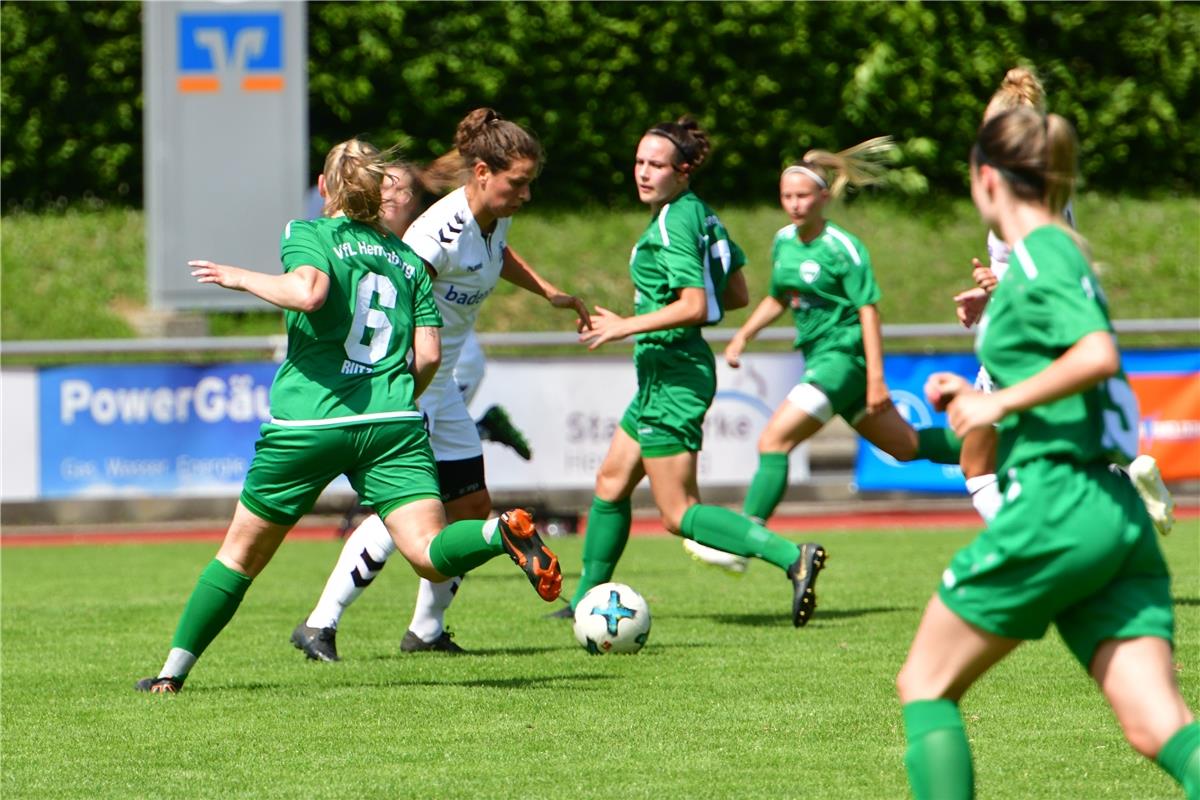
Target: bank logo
{"type": "Point", "coordinates": [244, 50]}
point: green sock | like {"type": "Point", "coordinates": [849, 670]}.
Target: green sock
{"type": "Point", "coordinates": [464, 545]}
{"type": "Point", "coordinates": [607, 532]}
{"type": "Point", "coordinates": [729, 531]}
{"type": "Point", "coordinates": [938, 757]}
{"type": "Point", "coordinates": [217, 595]}
{"type": "Point", "coordinates": [767, 487]}
{"type": "Point", "coordinates": [939, 445]}
{"type": "Point", "coordinates": [1180, 758]}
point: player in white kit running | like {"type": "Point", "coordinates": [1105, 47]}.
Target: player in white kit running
{"type": "Point", "coordinates": [463, 240]}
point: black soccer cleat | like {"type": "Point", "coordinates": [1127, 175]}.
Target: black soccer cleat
{"type": "Point", "coordinates": [566, 612]}
{"type": "Point", "coordinates": [411, 643]}
{"type": "Point", "coordinates": [154, 685]}
{"type": "Point", "coordinates": [525, 548]}
{"type": "Point", "coordinates": [495, 426]}
{"type": "Point", "coordinates": [319, 644]}
{"type": "Point", "coordinates": [803, 575]}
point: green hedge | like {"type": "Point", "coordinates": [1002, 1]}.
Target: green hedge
{"type": "Point", "coordinates": [769, 79]}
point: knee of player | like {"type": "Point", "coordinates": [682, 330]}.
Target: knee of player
{"type": "Point", "coordinates": [902, 447]}
{"type": "Point", "coordinates": [477, 505]}
{"type": "Point", "coordinates": [609, 484]}
{"type": "Point", "coordinates": [912, 685]}
{"type": "Point", "coordinates": [769, 442]}
{"type": "Point", "coordinates": [672, 519]}
{"type": "Point", "coordinates": [1142, 738]}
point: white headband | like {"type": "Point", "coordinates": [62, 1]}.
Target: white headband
{"type": "Point", "coordinates": [810, 173]}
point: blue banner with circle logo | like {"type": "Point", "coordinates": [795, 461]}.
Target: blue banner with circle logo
{"type": "Point", "coordinates": [906, 374]}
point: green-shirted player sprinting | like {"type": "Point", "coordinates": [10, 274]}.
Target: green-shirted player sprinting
{"type": "Point", "coordinates": [358, 300]}
{"type": "Point", "coordinates": [1072, 543]}
{"type": "Point", "coordinates": [686, 271]}
{"type": "Point", "coordinates": [823, 274]}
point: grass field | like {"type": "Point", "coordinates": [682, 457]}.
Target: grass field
{"type": "Point", "coordinates": [727, 700]}
{"type": "Point", "coordinates": [82, 275]}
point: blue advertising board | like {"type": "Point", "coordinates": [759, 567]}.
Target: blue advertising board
{"type": "Point", "coordinates": [150, 429]}
{"type": "Point", "coordinates": [906, 374]}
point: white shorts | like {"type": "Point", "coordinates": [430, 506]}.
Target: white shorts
{"type": "Point", "coordinates": [452, 433]}
{"type": "Point", "coordinates": [470, 368]}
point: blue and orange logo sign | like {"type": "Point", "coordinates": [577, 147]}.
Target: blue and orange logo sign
{"type": "Point", "coordinates": [247, 48]}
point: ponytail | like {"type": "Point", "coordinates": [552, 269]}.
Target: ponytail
{"type": "Point", "coordinates": [860, 165]}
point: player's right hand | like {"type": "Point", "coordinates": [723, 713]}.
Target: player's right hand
{"type": "Point", "coordinates": [733, 352]}
{"type": "Point", "coordinates": [969, 306]}
{"type": "Point", "coordinates": [942, 387]}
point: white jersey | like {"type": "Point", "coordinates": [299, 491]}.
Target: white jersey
{"type": "Point", "coordinates": [468, 265]}
{"type": "Point", "coordinates": [998, 249]}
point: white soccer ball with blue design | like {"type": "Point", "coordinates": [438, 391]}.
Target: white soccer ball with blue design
{"type": "Point", "coordinates": [612, 618]}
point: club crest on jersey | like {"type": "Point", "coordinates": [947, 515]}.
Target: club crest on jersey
{"type": "Point", "coordinates": [809, 271]}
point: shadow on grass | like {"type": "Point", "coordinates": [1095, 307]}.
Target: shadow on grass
{"type": "Point", "coordinates": [527, 682]}
{"type": "Point", "coordinates": [1187, 601]}
{"type": "Point", "coordinates": [772, 620]}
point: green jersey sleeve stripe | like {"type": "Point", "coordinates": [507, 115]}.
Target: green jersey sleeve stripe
{"type": "Point", "coordinates": [662, 225]}
{"type": "Point", "coordinates": [1025, 260]}
{"type": "Point", "coordinates": [849, 245]}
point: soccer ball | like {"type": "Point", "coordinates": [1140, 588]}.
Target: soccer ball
{"type": "Point", "coordinates": [612, 618]}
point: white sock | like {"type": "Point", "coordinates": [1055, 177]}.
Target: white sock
{"type": "Point", "coordinates": [429, 617]}
{"type": "Point", "coordinates": [985, 496]}
{"type": "Point", "coordinates": [179, 663]}
{"type": "Point", "coordinates": [363, 556]}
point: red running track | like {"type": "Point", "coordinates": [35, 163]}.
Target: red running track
{"type": "Point", "coordinates": [869, 520]}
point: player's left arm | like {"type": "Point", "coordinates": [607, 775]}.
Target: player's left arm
{"type": "Point", "coordinates": [427, 357]}
{"type": "Point", "coordinates": [517, 271]}
{"type": "Point", "coordinates": [878, 398]}
{"type": "Point", "coordinates": [687, 310]}
{"type": "Point", "coordinates": [858, 283]}
{"type": "Point", "coordinates": [301, 289]}
{"type": "Point", "coordinates": [737, 292]}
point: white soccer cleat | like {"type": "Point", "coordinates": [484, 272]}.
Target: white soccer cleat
{"type": "Point", "coordinates": [734, 565]}
{"type": "Point", "coordinates": [1149, 484]}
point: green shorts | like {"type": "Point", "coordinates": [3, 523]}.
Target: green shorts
{"type": "Point", "coordinates": [675, 388]}
{"type": "Point", "coordinates": [1073, 545]}
{"type": "Point", "coordinates": [389, 464]}
{"type": "Point", "coordinates": [840, 372]}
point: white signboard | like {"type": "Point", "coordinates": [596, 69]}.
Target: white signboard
{"type": "Point", "coordinates": [21, 448]}
{"type": "Point", "coordinates": [569, 408]}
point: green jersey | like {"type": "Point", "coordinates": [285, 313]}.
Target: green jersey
{"type": "Point", "coordinates": [684, 246]}
{"type": "Point", "coordinates": [347, 362]}
{"type": "Point", "coordinates": [1047, 301]}
{"type": "Point", "coordinates": [824, 282]}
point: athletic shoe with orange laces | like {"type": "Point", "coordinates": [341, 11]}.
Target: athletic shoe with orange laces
{"type": "Point", "coordinates": [159, 685]}
{"type": "Point", "coordinates": [525, 548]}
